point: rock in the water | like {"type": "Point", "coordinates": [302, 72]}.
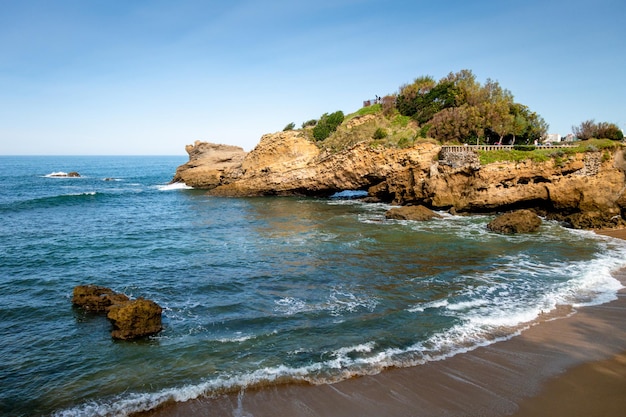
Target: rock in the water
{"type": "Point", "coordinates": [419, 213]}
{"type": "Point", "coordinates": [135, 318]}
{"type": "Point", "coordinates": [130, 318]}
{"type": "Point", "coordinates": [521, 221]}
{"type": "Point", "coordinates": [96, 298]}
{"type": "Point", "coordinates": [60, 174]}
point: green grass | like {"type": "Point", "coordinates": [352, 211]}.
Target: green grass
{"type": "Point", "coordinates": [489, 157]}
{"type": "Point", "coordinates": [542, 155]}
{"type": "Point", "coordinates": [373, 109]}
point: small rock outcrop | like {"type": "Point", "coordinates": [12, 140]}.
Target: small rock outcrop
{"type": "Point", "coordinates": [210, 165]}
{"type": "Point", "coordinates": [520, 221]}
{"type": "Point", "coordinates": [72, 174]}
{"type": "Point", "coordinates": [418, 213]}
{"type": "Point", "coordinates": [95, 298]}
{"type": "Point", "coordinates": [135, 318]}
{"type": "Point", "coordinates": [130, 318]}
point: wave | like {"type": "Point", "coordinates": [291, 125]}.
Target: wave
{"type": "Point", "coordinates": [501, 302]}
{"type": "Point", "coordinates": [174, 186]}
{"type": "Point", "coordinates": [338, 302]}
{"type": "Point", "coordinates": [62, 174]}
{"type": "Point", "coordinates": [496, 317]}
{"type": "Point", "coordinates": [52, 201]}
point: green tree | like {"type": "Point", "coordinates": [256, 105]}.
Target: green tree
{"type": "Point", "coordinates": [590, 129]}
{"type": "Point", "coordinates": [459, 108]}
{"type": "Point", "coordinates": [457, 124]}
{"type": "Point", "coordinates": [609, 131]}
{"type": "Point", "coordinates": [411, 96]}
{"type": "Point", "coordinates": [290, 126]}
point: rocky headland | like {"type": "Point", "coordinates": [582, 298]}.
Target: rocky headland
{"type": "Point", "coordinates": [585, 189]}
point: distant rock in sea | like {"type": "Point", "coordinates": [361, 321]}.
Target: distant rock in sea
{"type": "Point", "coordinates": [61, 174]}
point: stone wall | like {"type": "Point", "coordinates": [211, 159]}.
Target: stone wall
{"type": "Point", "coordinates": [458, 157]}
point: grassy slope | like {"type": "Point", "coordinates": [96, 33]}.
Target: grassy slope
{"type": "Point", "coordinates": [400, 130]}
{"type": "Point", "coordinates": [403, 132]}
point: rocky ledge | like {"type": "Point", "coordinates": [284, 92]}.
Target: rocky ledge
{"type": "Point", "coordinates": [586, 190]}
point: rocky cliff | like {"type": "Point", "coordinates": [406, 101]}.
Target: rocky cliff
{"type": "Point", "coordinates": [585, 189]}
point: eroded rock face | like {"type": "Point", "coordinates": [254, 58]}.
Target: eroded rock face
{"type": "Point", "coordinates": [130, 318]}
{"type": "Point", "coordinates": [210, 165]}
{"type": "Point", "coordinates": [135, 318]}
{"type": "Point", "coordinates": [584, 190]}
{"type": "Point", "coordinates": [520, 221]}
{"type": "Point", "coordinates": [417, 213]}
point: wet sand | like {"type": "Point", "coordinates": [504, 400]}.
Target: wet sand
{"type": "Point", "coordinates": [573, 366]}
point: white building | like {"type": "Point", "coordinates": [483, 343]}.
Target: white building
{"type": "Point", "coordinates": [552, 137]}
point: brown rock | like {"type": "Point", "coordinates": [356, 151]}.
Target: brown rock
{"type": "Point", "coordinates": [419, 213]}
{"type": "Point", "coordinates": [595, 220]}
{"type": "Point", "coordinates": [96, 298]}
{"type": "Point", "coordinates": [135, 318]}
{"type": "Point", "coordinates": [521, 221]}
{"type": "Point", "coordinates": [288, 163]}
{"type": "Point", "coordinates": [210, 165]}
{"type": "Point", "coordinates": [130, 318]}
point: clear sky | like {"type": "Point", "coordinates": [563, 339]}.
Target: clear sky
{"type": "Point", "coordinates": [150, 76]}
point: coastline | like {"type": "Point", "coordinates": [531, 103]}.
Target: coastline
{"type": "Point", "coordinates": [536, 373]}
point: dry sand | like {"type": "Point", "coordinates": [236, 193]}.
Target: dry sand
{"type": "Point", "coordinates": [574, 366]}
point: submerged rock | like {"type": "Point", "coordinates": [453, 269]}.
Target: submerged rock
{"type": "Point", "coordinates": [520, 221]}
{"type": "Point", "coordinates": [419, 213]}
{"type": "Point", "coordinates": [130, 318]}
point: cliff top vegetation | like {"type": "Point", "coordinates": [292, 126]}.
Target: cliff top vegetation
{"type": "Point", "coordinates": [456, 109]}
{"type": "Point", "coordinates": [539, 154]}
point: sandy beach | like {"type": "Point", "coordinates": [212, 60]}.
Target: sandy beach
{"type": "Point", "coordinates": [571, 366]}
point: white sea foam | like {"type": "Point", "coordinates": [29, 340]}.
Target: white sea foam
{"type": "Point", "coordinates": [174, 186]}
{"type": "Point", "coordinates": [494, 308]}
{"type": "Point", "coordinates": [58, 174]}
{"type": "Point", "coordinates": [83, 193]}
{"type": "Point", "coordinates": [338, 302]}
{"type": "Point", "coordinates": [420, 307]}
{"type": "Point", "coordinates": [238, 338]}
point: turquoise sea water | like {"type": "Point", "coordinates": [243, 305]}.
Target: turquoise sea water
{"type": "Point", "coordinates": [255, 291]}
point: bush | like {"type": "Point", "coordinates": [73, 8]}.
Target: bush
{"type": "Point", "coordinates": [327, 124]}
{"type": "Point", "coordinates": [525, 148]}
{"type": "Point", "coordinates": [380, 133]}
{"type": "Point", "coordinates": [308, 123]}
{"type": "Point", "coordinates": [321, 131]}
{"type": "Point", "coordinates": [405, 142]}
{"type": "Point", "coordinates": [334, 120]}
{"type": "Point", "coordinates": [290, 126]}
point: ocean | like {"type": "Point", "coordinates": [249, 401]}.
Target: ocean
{"type": "Point", "coordinates": [255, 291]}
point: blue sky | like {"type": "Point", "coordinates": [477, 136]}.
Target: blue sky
{"type": "Point", "coordinates": [150, 76]}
